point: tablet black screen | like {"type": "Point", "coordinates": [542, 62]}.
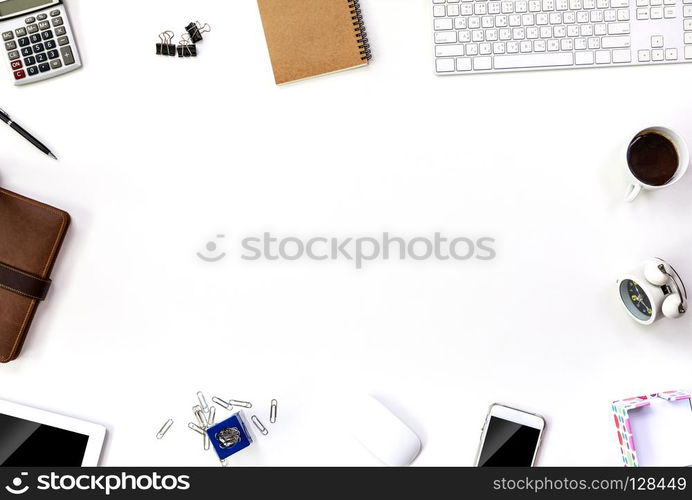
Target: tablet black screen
{"type": "Point", "coordinates": [29, 444]}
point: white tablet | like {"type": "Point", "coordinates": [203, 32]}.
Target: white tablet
{"type": "Point", "coordinates": [37, 438]}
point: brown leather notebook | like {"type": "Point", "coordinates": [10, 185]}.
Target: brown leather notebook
{"type": "Point", "coordinates": [308, 38]}
{"type": "Point", "coordinates": [31, 234]}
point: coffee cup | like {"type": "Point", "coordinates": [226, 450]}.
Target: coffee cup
{"type": "Point", "coordinates": [656, 157]}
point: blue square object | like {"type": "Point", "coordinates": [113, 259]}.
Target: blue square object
{"type": "Point", "coordinates": [230, 436]}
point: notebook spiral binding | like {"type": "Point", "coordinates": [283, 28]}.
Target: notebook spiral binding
{"type": "Point", "coordinates": [359, 28]}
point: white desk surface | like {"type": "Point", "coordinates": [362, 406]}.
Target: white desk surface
{"type": "Point", "coordinates": [158, 155]}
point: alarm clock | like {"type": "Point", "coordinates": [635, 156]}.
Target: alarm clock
{"type": "Point", "coordinates": [652, 291]}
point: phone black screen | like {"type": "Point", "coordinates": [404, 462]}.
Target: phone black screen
{"type": "Point", "coordinates": [508, 444]}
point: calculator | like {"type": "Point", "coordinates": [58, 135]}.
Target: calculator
{"type": "Point", "coordinates": [38, 39]}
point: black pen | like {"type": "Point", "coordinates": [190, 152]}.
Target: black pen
{"type": "Point", "coordinates": [13, 125]}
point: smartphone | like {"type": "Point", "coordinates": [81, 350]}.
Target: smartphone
{"type": "Point", "coordinates": [510, 438]}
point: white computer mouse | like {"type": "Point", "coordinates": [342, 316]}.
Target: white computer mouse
{"type": "Point", "coordinates": [384, 435]}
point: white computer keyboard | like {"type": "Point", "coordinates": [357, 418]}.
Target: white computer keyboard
{"type": "Point", "coordinates": [481, 36]}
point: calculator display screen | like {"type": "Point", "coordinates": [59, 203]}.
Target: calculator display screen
{"type": "Point", "coordinates": [10, 7]}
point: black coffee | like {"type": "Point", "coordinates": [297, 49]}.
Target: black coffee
{"type": "Point", "coordinates": [653, 159]}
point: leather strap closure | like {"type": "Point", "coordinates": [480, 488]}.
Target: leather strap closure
{"type": "Point", "coordinates": [23, 283]}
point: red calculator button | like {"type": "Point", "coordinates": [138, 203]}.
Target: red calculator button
{"type": "Point", "coordinates": [18, 75]}
{"type": "Point", "coordinates": [16, 64]}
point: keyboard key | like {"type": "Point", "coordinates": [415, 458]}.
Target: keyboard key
{"type": "Point", "coordinates": [603, 57]}
{"type": "Point", "coordinates": [26, 51]}
{"type": "Point", "coordinates": [30, 20]}
{"type": "Point", "coordinates": [13, 55]}
{"type": "Point", "coordinates": [47, 35]}
{"type": "Point", "coordinates": [617, 4]}
{"type": "Point", "coordinates": [30, 61]}
{"type": "Point", "coordinates": [20, 32]}
{"type": "Point", "coordinates": [32, 71]}
{"type": "Point", "coordinates": [622, 56]}
{"type": "Point", "coordinates": [446, 37]}
{"type": "Point", "coordinates": [688, 52]}
{"type": "Point", "coordinates": [644, 55]}
{"type": "Point", "coordinates": [17, 65]}
{"type": "Point", "coordinates": [482, 63]}
{"type": "Point", "coordinates": [50, 44]}
{"type": "Point", "coordinates": [688, 24]}
{"type": "Point", "coordinates": [657, 55]}
{"type": "Point", "coordinates": [671, 54]}
{"type": "Point", "coordinates": [619, 28]}
{"type": "Point", "coordinates": [534, 60]}
{"type": "Point", "coordinates": [44, 67]}
{"type": "Point", "coordinates": [669, 12]}
{"type": "Point", "coordinates": [23, 42]}
{"type": "Point", "coordinates": [10, 45]}
{"type": "Point", "coordinates": [439, 11]}
{"type": "Point", "coordinates": [32, 28]}
{"type": "Point", "coordinates": [444, 65]}
{"type": "Point", "coordinates": [7, 35]}
{"type": "Point", "coordinates": [63, 40]}
{"type": "Point", "coordinates": [449, 50]}
{"type": "Point", "coordinates": [56, 64]}
{"type": "Point", "coordinates": [67, 55]}
{"type": "Point", "coordinates": [688, 37]}
{"type": "Point", "coordinates": [61, 31]}
{"type": "Point", "coordinates": [54, 13]}
{"type": "Point", "coordinates": [642, 14]}
{"type": "Point", "coordinates": [59, 22]}
{"type": "Point", "coordinates": [35, 38]}
{"type": "Point", "coordinates": [39, 47]}
{"type": "Point", "coordinates": [656, 41]}
{"type": "Point", "coordinates": [656, 12]}
{"type": "Point", "coordinates": [19, 74]}
{"type": "Point", "coordinates": [41, 58]}
{"type": "Point", "coordinates": [42, 17]}
{"type": "Point", "coordinates": [463, 64]}
{"type": "Point", "coordinates": [443, 24]}
{"type": "Point", "coordinates": [45, 25]}
{"type": "Point", "coordinates": [53, 54]}
{"type": "Point", "coordinates": [614, 42]}
{"type": "Point", "coordinates": [687, 11]}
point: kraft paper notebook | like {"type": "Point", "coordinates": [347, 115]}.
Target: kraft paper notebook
{"type": "Point", "coordinates": [308, 38]}
{"type": "Point", "coordinates": [31, 234]}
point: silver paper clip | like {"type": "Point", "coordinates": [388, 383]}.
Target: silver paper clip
{"type": "Point", "coordinates": [260, 426]}
{"type": "Point", "coordinates": [164, 429]}
{"type": "Point", "coordinates": [241, 404]}
{"type": "Point", "coordinates": [203, 402]}
{"type": "Point", "coordinates": [273, 411]}
{"type": "Point", "coordinates": [223, 404]}
{"type": "Point", "coordinates": [196, 428]}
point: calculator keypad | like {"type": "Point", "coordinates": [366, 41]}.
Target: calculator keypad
{"type": "Point", "coordinates": [41, 45]}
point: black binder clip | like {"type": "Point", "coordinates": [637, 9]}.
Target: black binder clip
{"type": "Point", "coordinates": [186, 48]}
{"type": "Point", "coordinates": [196, 29]}
{"type": "Point", "coordinates": [165, 47]}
